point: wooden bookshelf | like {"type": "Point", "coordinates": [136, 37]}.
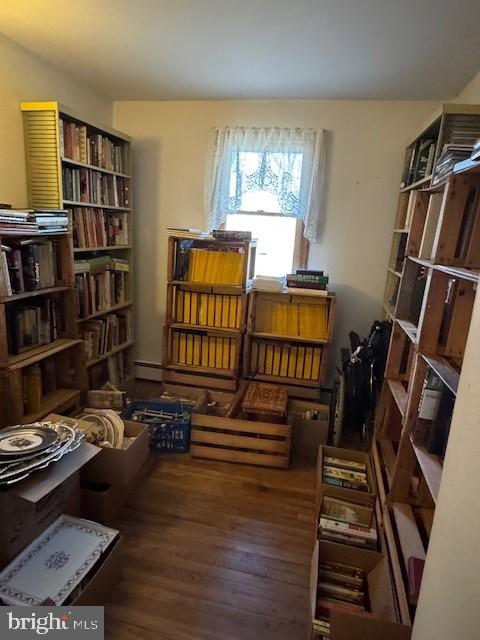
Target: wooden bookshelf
{"type": "Point", "coordinates": [288, 336]}
{"type": "Point", "coordinates": [431, 319]}
{"type": "Point", "coordinates": [85, 167]}
{"type": "Point", "coordinates": [207, 301]}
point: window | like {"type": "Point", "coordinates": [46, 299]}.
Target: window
{"type": "Point", "coordinates": [268, 181]}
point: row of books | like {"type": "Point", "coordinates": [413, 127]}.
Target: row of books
{"type": "Point", "coordinates": [93, 187]}
{"type": "Point", "coordinates": [294, 319]}
{"type": "Point", "coordinates": [97, 292]}
{"type": "Point", "coordinates": [79, 144]}
{"type": "Point", "coordinates": [200, 350]}
{"type": "Point", "coordinates": [26, 266]}
{"type": "Point", "coordinates": [419, 160]}
{"type": "Point", "coordinates": [340, 587]}
{"type": "Point", "coordinates": [210, 265]}
{"type": "Point", "coordinates": [435, 412]}
{"type": "Point", "coordinates": [209, 310]}
{"type": "Point", "coordinates": [103, 334]}
{"type": "Point", "coordinates": [345, 473]}
{"type": "Point", "coordinates": [98, 228]}
{"type": "Point", "coordinates": [33, 221]}
{"type": "Point", "coordinates": [101, 263]}
{"type": "Point", "coordinates": [347, 522]}
{"type": "Point", "coordinates": [286, 360]}
{"type": "Point", "coordinates": [32, 325]}
{"type": "Point", "coordinates": [114, 369]}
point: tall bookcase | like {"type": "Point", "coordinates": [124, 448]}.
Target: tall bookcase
{"type": "Point", "coordinates": [42, 363]}
{"type": "Point", "coordinates": [207, 299]}
{"type": "Point", "coordinates": [437, 267]}
{"type": "Point", "coordinates": [85, 168]}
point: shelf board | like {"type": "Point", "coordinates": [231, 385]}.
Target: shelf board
{"type": "Point", "coordinates": [104, 356]}
{"type": "Point", "coordinates": [276, 336]}
{"type": "Point", "coordinates": [388, 456]}
{"type": "Point", "coordinates": [411, 544]}
{"type": "Point", "coordinates": [416, 184]}
{"type": "Point", "coordinates": [40, 353]}
{"type": "Point", "coordinates": [410, 329]}
{"type": "Point", "coordinates": [230, 373]}
{"type": "Point", "coordinates": [19, 233]}
{"type": "Point", "coordinates": [395, 273]}
{"type": "Point", "coordinates": [32, 294]}
{"type": "Point", "coordinates": [295, 382]}
{"type": "Point", "coordinates": [105, 311]}
{"type": "Point", "coordinates": [54, 402]}
{"type": "Point", "coordinates": [201, 327]}
{"type": "Point", "coordinates": [456, 272]}
{"type": "Point", "coordinates": [84, 165]}
{"type": "Point", "coordinates": [422, 262]}
{"type": "Point", "coordinates": [209, 287]}
{"type": "Point", "coordinates": [444, 370]}
{"type": "Point", "coordinates": [389, 309]}
{"type": "Point", "coordinates": [467, 166]}
{"type": "Point", "coordinates": [401, 231]}
{"type": "Point", "coordinates": [431, 467]}
{"type": "Point", "coordinates": [109, 207]}
{"type": "Point", "coordinates": [106, 248]}
{"type": "Point", "coordinates": [399, 394]}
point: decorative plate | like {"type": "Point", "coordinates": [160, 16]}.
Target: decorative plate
{"type": "Point", "coordinates": [56, 562]}
{"type": "Point", "coordinates": [97, 432]}
{"type": "Point", "coordinates": [18, 440]}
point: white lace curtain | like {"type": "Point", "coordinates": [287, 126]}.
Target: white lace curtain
{"type": "Point", "coordinates": [283, 169]}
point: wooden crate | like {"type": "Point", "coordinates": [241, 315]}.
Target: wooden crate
{"type": "Point", "coordinates": [237, 440]}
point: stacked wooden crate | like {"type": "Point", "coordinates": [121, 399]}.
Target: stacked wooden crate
{"type": "Point", "coordinates": [287, 339]}
{"type": "Point", "coordinates": [206, 310]}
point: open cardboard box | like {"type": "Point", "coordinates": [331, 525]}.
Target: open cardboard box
{"type": "Point", "coordinates": [375, 565]}
{"type": "Point", "coordinates": [365, 499]}
{"type": "Point", "coordinates": [116, 466]}
{"type": "Point", "coordinates": [346, 454]}
{"type": "Point", "coordinates": [219, 403]}
{"type": "Point", "coordinates": [307, 434]}
{"type": "Point", "coordinates": [32, 505]}
{"type": "Point", "coordinates": [348, 626]}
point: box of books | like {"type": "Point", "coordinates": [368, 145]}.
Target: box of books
{"type": "Point", "coordinates": [348, 581]}
{"type": "Point", "coordinates": [346, 520]}
{"type": "Point", "coordinates": [349, 626]}
{"type": "Point", "coordinates": [347, 469]}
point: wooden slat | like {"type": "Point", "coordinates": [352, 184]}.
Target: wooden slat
{"type": "Point", "coordinates": [388, 455]}
{"type": "Point", "coordinates": [242, 442]}
{"type": "Point", "coordinates": [396, 568]}
{"type": "Point", "coordinates": [410, 541]}
{"type": "Point", "coordinates": [431, 468]}
{"type": "Point", "coordinates": [203, 381]}
{"type": "Point", "coordinates": [247, 426]}
{"type": "Point", "coordinates": [38, 355]}
{"type": "Point", "coordinates": [243, 457]}
{"type": "Point", "coordinates": [399, 394]}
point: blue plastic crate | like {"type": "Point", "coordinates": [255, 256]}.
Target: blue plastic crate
{"type": "Point", "coordinates": [170, 431]}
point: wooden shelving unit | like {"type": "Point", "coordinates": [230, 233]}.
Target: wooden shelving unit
{"type": "Point", "coordinates": [431, 312]}
{"type": "Point", "coordinates": [85, 168]}
{"type": "Point", "coordinates": [206, 320]}
{"type": "Point", "coordinates": [287, 338]}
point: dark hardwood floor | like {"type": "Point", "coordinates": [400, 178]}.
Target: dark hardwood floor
{"type": "Point", "coordinates": [215, 551]}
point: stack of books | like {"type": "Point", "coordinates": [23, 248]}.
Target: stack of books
{"type": "Point", "coordinates": [98, 228]}
{"type": "Point", "coordinates": [17, 222]}
{"type": "Point", "coordinates": [51, 220]}
{"type": "Point", "coordinates": [103, 334]}
{"type": "Point", "coordinates": [27, 266]}
{"type": "Point", "coordinates": [270, 283]}
{"type": "Point", "coordinates": [187, 232]}
{"type": "Point", "coordinates": [32, 325]}
{"type": "Point", "coordinates": [340, 587]}
{"type": "Point", "coordinates": [208, 309]}
{"type": "Point", "coordinates": [451, 155]}
{"type": "Point", "coordinates": [345, 473]}
{"type": "Point", "coordinates": [347, 522]}
{"type": "Point", "coordinates": [232, 235]}
{"type": "Point", "coordinates": [81, 145]}
{"type": "Point", "coordinates": [292, 319]}
{"type": "Point", "coordinates": [89, 186]}
{"type": "Point", "coordinates": [310, 281]}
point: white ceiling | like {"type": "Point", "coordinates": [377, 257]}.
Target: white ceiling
{"type": "Point", "coordinates": [214, 49]}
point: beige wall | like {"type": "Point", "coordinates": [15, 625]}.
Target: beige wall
{"type": "Point", "coordinates": [25, 76]}
{"type": "Point", "coordinates": [366, 142]}
{"type": "Point", "coordinates": [471, 93]}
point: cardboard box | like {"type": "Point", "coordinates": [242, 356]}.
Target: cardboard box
{"type": "Point", "coordinates": [348, 626]}
{"type": "Point", "coordinates": [376, 567]}
{"type": "Point", "coordinates": [104, 579]}
{"type": "Point", "coordinates": [307, 434]}
{"type": "Point", "coordinates": [32, 505]}
{"type": "Point", "coordinates": [346, 454]}
{"type": "Point", "coordinates": [102, 502]}
{"type": "Point", "coordinates": [120, 466]}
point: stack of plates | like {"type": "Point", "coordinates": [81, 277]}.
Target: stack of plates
{"type": "Point", "coordinates": [107, 428]}
{"type": "Point", "coordinates": [30, 447]}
